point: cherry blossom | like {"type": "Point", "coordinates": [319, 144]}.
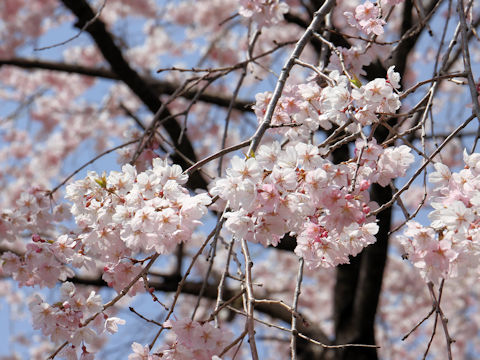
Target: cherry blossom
{"type": "Point", "coordinates": [366, 18]}
{"type": "Point", "coordinates": [194, 341]}
{"type": "Point", "coordinates": [448, 247]}
{"type": "Point", "coordinates": [66, 319]}
{"type": "Point", "coordinates": [131, 209]}
{"type": "Point", "coordinates": [141, 353]}
{"type": "Point", "coordinates": [124, 143]}
{"type": "Point", "coordinates": [309, 198]}
{"type": "Point", "coordinates": [264, 13]}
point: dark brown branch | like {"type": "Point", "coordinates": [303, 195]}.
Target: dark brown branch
{"type": "Point", "coordinates": [410, 31]}
{"type": "Point", "coordinates": [160, 86]}
{"type": "Point", "coordinates": [358, 284]}
{"type": "Point", "coordinates": [145, 92]}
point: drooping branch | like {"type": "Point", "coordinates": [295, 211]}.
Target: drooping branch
{"type": "Point", "coordinates": [169, 283]}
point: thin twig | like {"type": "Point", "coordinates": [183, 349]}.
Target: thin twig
{"type": "Point", "coordinates": [112, 302]}
{"type": "Point", "coordinates": [222, 152]}
{"type": "Point", "coordinates": [225, 304]}
{"type": "Point", "coordinates": [87, 24]}
{"type": "Point", "coordinates": [420, 169]}
{"type": "Point", "coordinates": [211, 259]}
{"type": "Point", "coordinates": [337, 52]}
{"type": "Point", "coordinates": [317, 18]}
{"type": "Point", "coordinates": [250, 325]}
{"type": "Point", "coordinates": [233, 67]}
{"type": "Point", "coordinates": [234, 96]}
{"type": "Point", "coordinates": [419, 323]}
{"type": "Point", "coordinates": [88, 163]}
{"type": "Point", "coordinates": [430, 341]}
{"type": "Point", "coordinates": [293, 340]}
{"type": "Point", "coordinates": [221, 285]}
{"type": "Point", "coordinates": [316, 70]}
{"type": "Point", "coordinates": [234, 342]}
{"type": "Point", "coordinates": [303, 336]}
{"type": "Point", "coordinates": [184, 278]}
{"type": "Point", "coordinates": [143, 317]}
{"type": "Point", "coordinates": [436, 78]}
{"type": "Point", "coordinates": [441, 315]}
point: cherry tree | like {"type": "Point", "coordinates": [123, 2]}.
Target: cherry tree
{"type": "Point", "coordinates": [236, 179]}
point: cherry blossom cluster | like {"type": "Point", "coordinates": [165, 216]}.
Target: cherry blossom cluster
{"type": "Point", "coordinates": [127, 212]}
{"type": "Point", "coordinates": [118, 214]}
{"type": "Point", "coordinates": [44, 263]}
{"type": "Point", "coordinates": [306, 107]}
{"type": "Point", "coordinates": [355, 59]}
{"type": "Point", "coordinates": [367, 17]}
{"type": "Point", "coordinates": [192, 340]}
{"type": "Point", "coordinates": [450, 245]}
{"type": "Point", "coordinates": [263, 12]}
{"type": "Point", "coordinates": [123, 213]}
{"type": "Point", "coordinates": [65, 320]}
{"type": "Point", "coordinates": [31, 211]}
{"type": "Point", "coordinates": [150, 211]}
{"type": "Point", "coordinates": [296, 190]}
{"type": "Point", "coordinates": [195, 340]}
{"type": "Point", "coordinates": [377, 96]}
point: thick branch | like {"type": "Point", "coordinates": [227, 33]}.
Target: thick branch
{"type": "Point", "coordinates": [132, 79]}
{"type": "Point", "coordinates": [358, 285]}
{"type": "Point", "coordinates": [160, 86]}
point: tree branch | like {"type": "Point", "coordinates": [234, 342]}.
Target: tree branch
{"type": "Point", "coordinates": [169, 283]}
{"type": "Point", "coordinates": [132, 79]}
{"type": "Point", "coordinates": [160, 86]}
